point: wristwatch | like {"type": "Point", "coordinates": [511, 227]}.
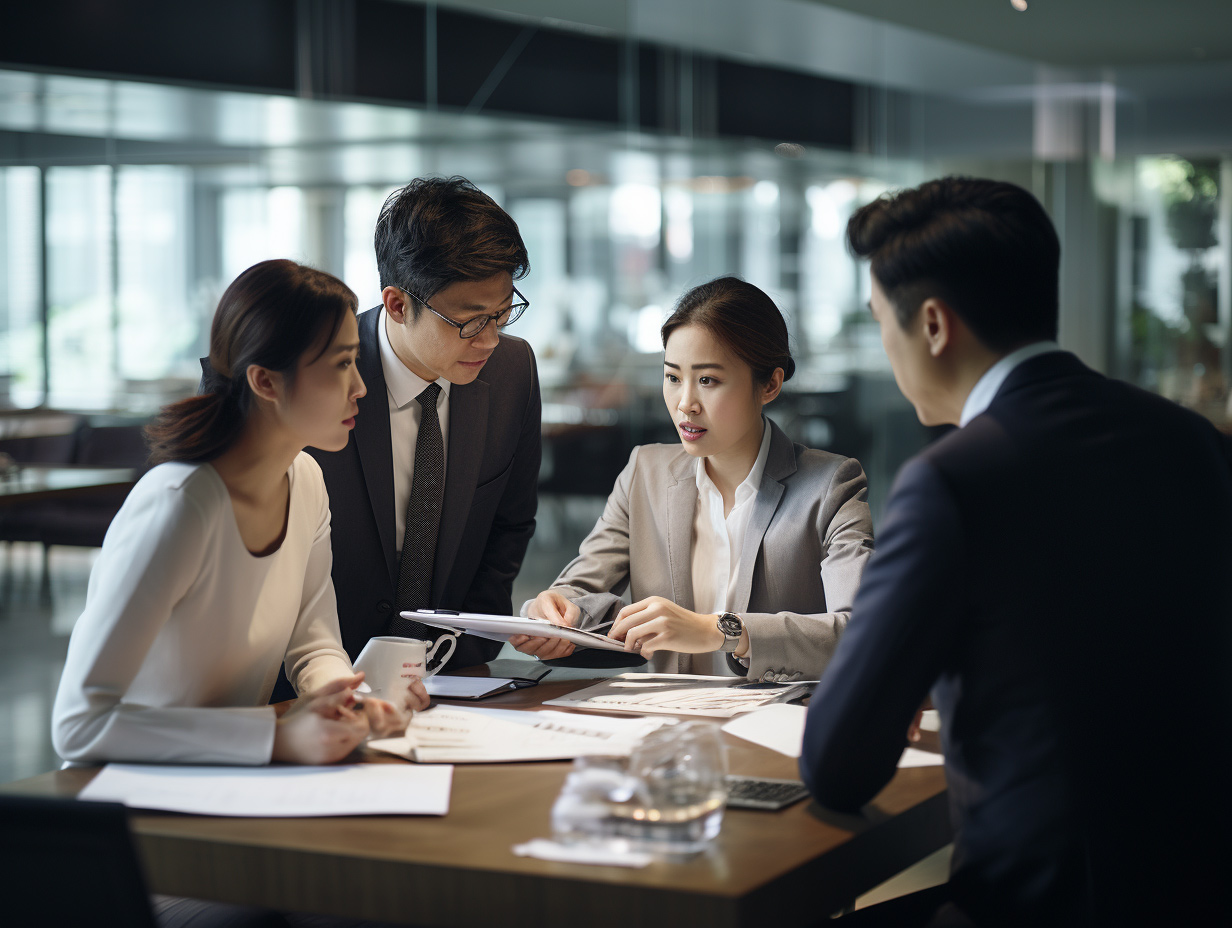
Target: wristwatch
{"type": "Point", "coordinates": [732, 627]}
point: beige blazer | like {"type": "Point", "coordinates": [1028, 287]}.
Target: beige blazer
{"type": "Point", "coordinates": [808, 540]}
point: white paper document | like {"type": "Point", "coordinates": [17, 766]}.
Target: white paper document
{"type": "Point", "coordinates": [679, 694]}
{"type": "Point", "coordinates": [276, 792]}
{"type": "Point", "coordinates": [546, 849]}
{"type": "Point", "coordinates": [914, 757]}
{"type": "Point", "coordinates": [780, 728]}
{"type": "Point", "coordinates": [460, 735]}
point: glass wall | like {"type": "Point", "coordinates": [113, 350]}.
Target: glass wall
{"type": "Point", "coordinates": [1176, 311]}
{"type": "Point", "coordinates": [21, 298]}
{"type": "Point", "coordinates": [138, 254]}
{"type": "Point", "coordinates": [137, 250]}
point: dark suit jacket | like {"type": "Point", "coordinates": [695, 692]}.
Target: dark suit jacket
{"type": "Point", "coordinates": [491, 479]}
{"type": "Point", "coordinates": [1058, 572]}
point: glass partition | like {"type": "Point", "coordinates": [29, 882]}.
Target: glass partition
{"type": "Point", "coordinates": [21, 299]}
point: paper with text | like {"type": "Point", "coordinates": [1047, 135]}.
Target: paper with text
{"type": "Point", "coordinates": [459, 735]}
{"type": "Point", "coordinates": [679, 694]}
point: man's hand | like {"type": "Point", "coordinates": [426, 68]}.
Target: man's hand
{"type": "Point", "coordinates": [552, 606]}
{"type": "Point", "coordinates": [913, 730]}
{"type": "Point", "coordinates": [322, 727]}
{"type": "Point", "coordinates": [658, 624]}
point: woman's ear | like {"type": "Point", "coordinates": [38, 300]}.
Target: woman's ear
{"type": "Point", "coordinates": [264, 383]}
{"type": "Point", "coordinates": [773, 387]}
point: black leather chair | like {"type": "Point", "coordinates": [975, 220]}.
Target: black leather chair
{"type": "Point", "coordinates": [69, 863]}
{"type": "Point", "coordinates": [83, 521]}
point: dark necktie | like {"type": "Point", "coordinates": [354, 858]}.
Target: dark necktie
{"type": "Point", "coordinates": [423, 519]}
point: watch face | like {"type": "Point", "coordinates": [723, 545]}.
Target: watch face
{"type": "Point", "coordinates": [730, 625]}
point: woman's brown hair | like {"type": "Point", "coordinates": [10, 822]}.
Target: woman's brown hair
{"type": "Point", "coordinates": [744, 318]}
{"type": "Point", "coordinates": [271, 315]}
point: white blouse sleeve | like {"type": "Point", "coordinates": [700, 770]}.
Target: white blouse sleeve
{"type": "Point", "coordinates": [151, 557]}
{"type": "Point", "coordinates": [315, 654]}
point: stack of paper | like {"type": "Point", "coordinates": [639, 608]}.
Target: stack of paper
{"type": "Point", "coordinates": [457, 735]}
{"type": "Point", "coordinates": [680, 693]}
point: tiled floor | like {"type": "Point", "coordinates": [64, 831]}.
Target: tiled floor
{"type": "Point", "coordinates": [35, 621]}
{"type": "Point", "coordinates": [37, 614]}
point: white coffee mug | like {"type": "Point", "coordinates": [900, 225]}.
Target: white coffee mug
{"type": "Point", "coordinates": [389, 663]}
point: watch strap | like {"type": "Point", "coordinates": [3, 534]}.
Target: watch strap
{"type": "Point", "coordinates": [726, 623]}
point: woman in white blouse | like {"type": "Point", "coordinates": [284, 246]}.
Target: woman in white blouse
{"type": "Point", "coordinates": [741, 551]}
{"type": "Point", "coordinates": [216, 570]}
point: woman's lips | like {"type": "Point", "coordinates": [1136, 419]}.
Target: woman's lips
{"type": "Point", "coordinates": [349, 423]}
{"type": "Point", "coordinates": [690, 432]}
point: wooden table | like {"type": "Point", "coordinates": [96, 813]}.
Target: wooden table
{"type": "Point", "coordinates": [36, 482]}
{"type": "Point", "coordinates": [796, 866]}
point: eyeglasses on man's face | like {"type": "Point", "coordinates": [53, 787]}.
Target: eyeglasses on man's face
{"type": "Point", "coordinates": [473, 326]}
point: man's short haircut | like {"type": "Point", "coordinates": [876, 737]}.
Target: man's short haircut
{"type": "Point", "coordinates": [985, 247]}
{"type": "Point", "coordinates": [437, 231]}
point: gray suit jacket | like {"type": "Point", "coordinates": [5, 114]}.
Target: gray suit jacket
{"type": "Point", "coordinates": [807, 542]}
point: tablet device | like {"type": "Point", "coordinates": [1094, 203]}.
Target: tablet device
{"type": "Point", "coordinates": [504, 627]}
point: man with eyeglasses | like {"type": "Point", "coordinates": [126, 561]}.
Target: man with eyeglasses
{"type": "Point", "coordinates": [433, 500]}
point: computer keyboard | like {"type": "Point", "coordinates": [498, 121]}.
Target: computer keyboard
{"type": "Point", "coordinates": [763, 792]}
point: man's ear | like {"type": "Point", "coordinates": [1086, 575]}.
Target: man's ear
{"type": "Point", "coordinates": [264, 383]}
{"type": "Point", "coordinates": [936, 322]}
{"type": "Point", "coordinates": [396, 304]}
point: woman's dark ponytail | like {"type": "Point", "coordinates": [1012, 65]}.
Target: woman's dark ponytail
{"type": "Point", "coordinates": [744, 318]}
{"type": "Point", "coordinates": [271, 315]}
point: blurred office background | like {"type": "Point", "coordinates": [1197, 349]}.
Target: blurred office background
{"type": "Point", "coordinates": [150, 151]}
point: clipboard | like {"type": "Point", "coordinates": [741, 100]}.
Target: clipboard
{"type": "Point", "coordinates": [503, 627]}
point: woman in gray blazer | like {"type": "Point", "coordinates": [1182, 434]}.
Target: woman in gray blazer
{"type": "Point", "coordinates": [740, 550]}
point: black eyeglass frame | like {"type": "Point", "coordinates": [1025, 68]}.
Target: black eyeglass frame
{"type": "Point", "coordinates": [514, 311]}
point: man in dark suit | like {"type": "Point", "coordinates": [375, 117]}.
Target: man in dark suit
{"type": "Point", "coordinates": [1056, 571]}
{"type": "Point", "coordinates": [433, 500]}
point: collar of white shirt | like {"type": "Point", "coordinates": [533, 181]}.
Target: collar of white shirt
{"type": "Point", "coordinates": [748, 486]}
{"type": "Point", "coordinates": [987, 386]}
{"type": "Point", "coordinates": [404, 384]}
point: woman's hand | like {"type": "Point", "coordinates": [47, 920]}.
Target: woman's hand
{"type": "Point", "coordinates": [658, 624]}
{"type": "Point", "coordinates": [385, 720]}
{"type": "Point", "coordinates": [417, 697]}
{"type": "Point", "coordinates": [552, 606]}
{"type": "Point", "coordinates": [322, 727]}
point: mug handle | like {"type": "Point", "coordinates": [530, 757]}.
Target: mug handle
{"type": "Point", "coordinates": [453, 643]}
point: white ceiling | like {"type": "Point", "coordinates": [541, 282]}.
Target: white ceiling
{"type": "Point", "coordinates": [1070, 33]}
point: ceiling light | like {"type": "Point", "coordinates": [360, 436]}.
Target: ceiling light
{"type": "Point", "coordinates": [1019, 5]}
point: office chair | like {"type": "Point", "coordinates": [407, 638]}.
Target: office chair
{"type": "Point", "coordinates": [68, 863]}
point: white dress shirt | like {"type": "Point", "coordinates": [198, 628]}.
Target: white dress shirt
{"type": "Point", "coordinates": [987, 386]}
{"type": "Point", "coordinates": [402, 386]}
{"type": "Point", "coordinates": [718, 541]}
{"type": "Point", "coordinates": [178, 649]}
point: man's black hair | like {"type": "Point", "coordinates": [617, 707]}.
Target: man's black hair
{"type": "Point", "coordinates": [437, 231]}
{"type": "Point", "coordinates": [985, 247]}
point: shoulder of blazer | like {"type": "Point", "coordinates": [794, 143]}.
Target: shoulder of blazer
{"type": "Point", "coordinates": [671, 460]}
{"type": "Point", "coordinates": [813, 462]}
{"type": "Point", "coordinates": [512, 363]}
